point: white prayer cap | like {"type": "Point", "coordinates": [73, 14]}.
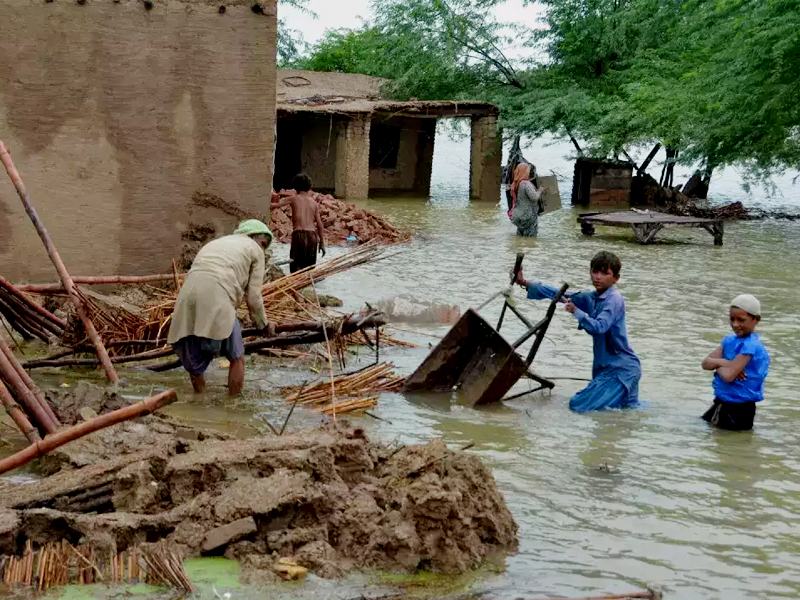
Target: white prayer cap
{"type": "Point", "coordinates": [747, 303]}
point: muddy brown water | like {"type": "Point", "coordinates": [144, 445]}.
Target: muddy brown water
{"type": "Point", "coordinates": [605, 501]}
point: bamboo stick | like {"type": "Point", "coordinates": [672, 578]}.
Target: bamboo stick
{"type": "Point", "coordinates": [55, 440]}
{"type": "Point", "coordinates": [31, 403]}
{"type": "Point", "coordinates": [18, 415]}
{"type": "Point", "coordinates": [29, 563]}
{"type": "Point", "coordinates": [328, 344]}
{"type": "Point", "coordinates": [40, 567]}
{"type": "Point", "coordinates": [5, 158]}
{"type": "Point", "coordinates": [96, 280]}
{"type": "Point", "coordinates": [26, 379]}
{"type": "Point", "coordinates": [88, 362]}
{"type": "Point", "coordinates": [88, 562]}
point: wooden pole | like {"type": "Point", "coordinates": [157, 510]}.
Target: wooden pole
{"type": "Point", "coordinates": [66, 281]}
{"type": "Point", "coordinates": [96, 280]}
{"type": "Point", "coordinates": [51, 442]}
{"type": "Point", "coordinates": [29, 400]}
{"type": "Point", "coordinates": [31, 385]}
{"type": "Point", "coordinates": [18, 415]}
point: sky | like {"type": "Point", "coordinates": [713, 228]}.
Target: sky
{"type": "Point", "coordinates": [335, 14]}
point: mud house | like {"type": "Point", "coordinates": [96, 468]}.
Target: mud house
{"type": "Point", "coordinates": [340, 130]}
{"type": "Point", "coordinates": [600, 183]}
{"type": "Point", "coordinates": [117, 112]}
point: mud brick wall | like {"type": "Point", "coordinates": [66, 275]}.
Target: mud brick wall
{"type": "Point", "coordinates": [116, 115]}
{"type": "Point", "coordinates": [352, 158]}
{"type": "Point", "coordinates": [485, 159]}
{"type": "Point", "coordinates": [611, 185]}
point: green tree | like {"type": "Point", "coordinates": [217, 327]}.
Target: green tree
{"type": "Point", "coordinates": [716, 81]}
{"type": "Point", "coordinates": [291, 44]}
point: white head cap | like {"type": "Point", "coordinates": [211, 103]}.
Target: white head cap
{"type": "Point", "coordinates": [747, 303]}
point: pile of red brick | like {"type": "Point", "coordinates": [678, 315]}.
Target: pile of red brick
{"type": "Point", "coordinates": [340, 219]}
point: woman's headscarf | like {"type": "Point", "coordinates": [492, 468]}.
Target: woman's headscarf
{"type": "Point", "coordinates": [521, 173]}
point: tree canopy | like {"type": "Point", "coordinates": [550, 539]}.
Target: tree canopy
{"type": "Point", "coordinates": [716, 80]}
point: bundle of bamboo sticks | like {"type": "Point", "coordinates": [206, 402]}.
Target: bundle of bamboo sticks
{"type": "Point", "coordinates": [165, 567]}
{"type": "Point", "coordinates": [356, 390]}
{"type": "Point", "coordinates": [61, 563]}
{"type": "Point", "coordinates": [302, 279]}
{"type": "Point", "coordinates": [282, 301]}
{"type": "Point", "coordinates": [33, 415]}
{"type": "Point", "coordinates": [349, 405]}
{"type": "Point", "coordinates": [26, 317]}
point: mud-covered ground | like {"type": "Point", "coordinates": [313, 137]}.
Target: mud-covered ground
{"type": "Point", "coordinates": [327, 497]}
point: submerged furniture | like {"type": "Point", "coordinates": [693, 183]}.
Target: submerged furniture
{"type": "Point", "coordinates": [646, 225]}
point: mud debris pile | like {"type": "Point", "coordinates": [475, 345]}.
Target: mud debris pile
{"type": "Point", "coordinates": [327, 499]}
{"type": "Point", "coordinates": [340, 219]}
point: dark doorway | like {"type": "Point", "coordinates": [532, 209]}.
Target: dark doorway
{"type": "Point", "coordinates": [287, 154]}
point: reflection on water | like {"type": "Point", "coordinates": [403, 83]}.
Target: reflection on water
{"type": "Point", "coordinates": [605, 501]}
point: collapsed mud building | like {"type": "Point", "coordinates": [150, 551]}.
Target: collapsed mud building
{"type": "Point", "coordinates": [341, 130]}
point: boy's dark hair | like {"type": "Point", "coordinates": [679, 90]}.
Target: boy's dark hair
{"type": "Point", "coordinates": [603, 261]}
{"type": "Point", "coordinates": [301, 182]}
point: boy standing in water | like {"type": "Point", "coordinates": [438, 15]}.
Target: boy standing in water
{"type": "Point", "coordinates": [601, 313]}
{"type": "Point", "coordinates": [741, 363]}
{"type": "Point", "coordinates": [308, 234]}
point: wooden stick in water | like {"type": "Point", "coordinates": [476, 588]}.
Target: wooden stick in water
{"type": "Point", "coordinates": [328, 344]}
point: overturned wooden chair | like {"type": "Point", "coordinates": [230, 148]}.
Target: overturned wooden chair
{"type": "Point", "coordinates": [478, 363]}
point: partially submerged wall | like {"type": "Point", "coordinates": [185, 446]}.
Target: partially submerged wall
{"type": "Point", "coordinates": [411, 169]}
{"type": "Point", "coordinates": [116, 115]}
{"type": "Point", "coordinates": [601, 183]}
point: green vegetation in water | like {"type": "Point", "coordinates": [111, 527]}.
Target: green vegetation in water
{"type": "Point", "coordinates": [104, 592]}
{"type": "Point", "coordinates": [217, 572]}
{"type": "Point", "coordinates": [425, 584]}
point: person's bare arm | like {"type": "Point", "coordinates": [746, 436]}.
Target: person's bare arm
{"type": "Point", "coordinates": [710, 361]}
{"type": "Point", "coordinates": [728, 370]}
{"type": "Point", "coordinates": [320, 230]}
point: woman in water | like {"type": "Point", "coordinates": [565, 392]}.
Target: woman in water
{"type": "Point", "coordinates": [526, 201]}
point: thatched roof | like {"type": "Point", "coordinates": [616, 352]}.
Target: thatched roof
{"type": "Point", "coordinates": [346, 93]}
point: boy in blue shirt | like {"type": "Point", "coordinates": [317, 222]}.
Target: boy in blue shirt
{"type": "Point", "coordinates": [741, 363]}
{"type": "Point", "coordinates": [601, 313]}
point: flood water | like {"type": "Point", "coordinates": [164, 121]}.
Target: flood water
{"type": "Point", "coordinates": [615, 500]}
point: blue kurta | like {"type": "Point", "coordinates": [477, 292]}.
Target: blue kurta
{"type": "Point", "coordinates": [616, 369]}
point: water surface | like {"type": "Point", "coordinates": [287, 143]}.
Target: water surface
{"type": "Point", "coordinates": [604, 501]}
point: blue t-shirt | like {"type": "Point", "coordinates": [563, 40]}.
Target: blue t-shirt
{"type": "Point", "coordinates": [752, 388]}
